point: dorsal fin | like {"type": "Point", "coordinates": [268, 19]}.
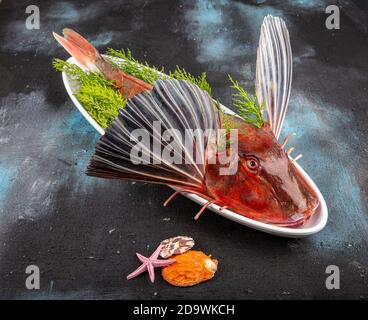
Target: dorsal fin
{"type": "Point", "coordinates": [178, 105]}
{"type": "Point", "coordinates": [274, 71]}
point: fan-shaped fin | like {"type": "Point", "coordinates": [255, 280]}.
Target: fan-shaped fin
{"type": "Point", "coordinates": [171, 104]}
{"type": "Point", "coordinates": [274, 71]}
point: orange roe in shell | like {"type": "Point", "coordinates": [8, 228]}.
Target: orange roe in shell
{"type": "Point", "coordinates": [190, 268]}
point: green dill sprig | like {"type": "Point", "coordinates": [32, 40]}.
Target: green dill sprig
{"type": "Point", "coordinates": [200, 81]}
{"type": "Point", "coordinates": [101, 102]}
{"type": "Point", "coordinates": [149, 73]}
{"type": "Point", "coordinates": [70, 68]}
{"type": "Point", "coordinates": [79, 74]}
{"type": "Point", "coordinates": [246, 105]}
{"type": "Point", "coordinates": [96, 94]}
{"type": "Point", "coordinates": [132, 66]}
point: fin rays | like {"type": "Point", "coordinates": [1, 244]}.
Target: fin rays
{"type": "Point", "coordinates": [177, 105]}
{"type": "Point", "coordinates": [274, 71]}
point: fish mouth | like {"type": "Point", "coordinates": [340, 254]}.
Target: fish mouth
{"type": "Point", "coordinates": [299, 218]}
{"type": "Point", "coordinates": [286, 219]}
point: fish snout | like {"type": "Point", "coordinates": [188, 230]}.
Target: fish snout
{"type": "Point", "coordinates": [312, 205]}
{"type": "Point", "coordinates": [302, 199]}
{"type": "Point", "coordinates": [294, 198]}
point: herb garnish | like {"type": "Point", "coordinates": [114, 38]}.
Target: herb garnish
{"type": "Point", "coordinates": [102, 101]}
{"type": "Point", "coordinates": [96, 94]}
{"type": "Point", "coordinates": [246, 105]}
{"type": "Point", "coordinates": [149, 73]}
{"type": "Point", "coordinates": [132, 66]}
{"type": "Point", "coordinates": [201, 81]}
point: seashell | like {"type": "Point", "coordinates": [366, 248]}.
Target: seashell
{"type": "Point", "coordinates": [176, 245]}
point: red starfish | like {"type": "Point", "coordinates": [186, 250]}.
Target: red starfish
{"type": "Point", "coordinates": [150, 264]}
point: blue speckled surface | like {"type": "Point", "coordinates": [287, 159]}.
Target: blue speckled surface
{"type": "Point", "coordinates": [54, 216]}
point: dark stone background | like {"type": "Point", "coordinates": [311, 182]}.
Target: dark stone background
{"type": "Point", "coordinates": [83, 232]}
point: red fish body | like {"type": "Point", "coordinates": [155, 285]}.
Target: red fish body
{"type": "Point", "coordinates": [266, 186]}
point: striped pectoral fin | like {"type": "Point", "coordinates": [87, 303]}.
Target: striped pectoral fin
{"type": "Point", "coordinates": [98, 167]}
{"type": "Point", "coordinates": [170, 107]}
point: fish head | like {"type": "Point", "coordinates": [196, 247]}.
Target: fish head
{"type": "Point", "coordinates": [267, 185]}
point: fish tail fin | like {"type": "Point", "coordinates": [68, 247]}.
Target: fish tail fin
{"type": "Point", "coordinates": [88, 56]}
{"type": "Point", "coordinates": [79, 48]}
{"type": "Point", "coordinates": [158, 119]}
{"type": "Point", "coordinates": [274, 71]}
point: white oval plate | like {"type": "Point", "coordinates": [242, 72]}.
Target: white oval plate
{"type": "Point", "coordinates": [315, 224]}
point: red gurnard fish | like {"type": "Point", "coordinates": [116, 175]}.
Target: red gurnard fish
{"type": "Point", "coordinates": [266, 186]}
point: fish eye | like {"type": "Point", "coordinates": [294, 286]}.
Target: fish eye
{"type": "Point", "coordinates": [252, 164]}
